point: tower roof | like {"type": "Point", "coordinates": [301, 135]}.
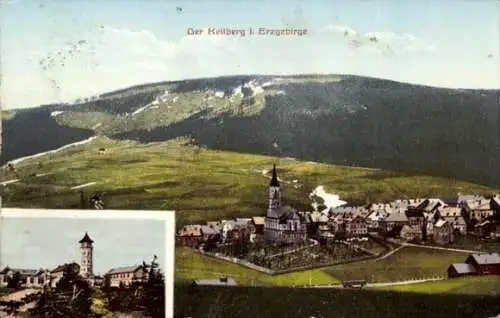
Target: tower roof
{"type": "Point", "coordinates": [274, 180]}
{"type": "Point", "coordinates": [86, 239]}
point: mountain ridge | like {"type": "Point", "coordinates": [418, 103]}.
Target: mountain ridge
{"type": "Point", "coordinates": [339, 119]}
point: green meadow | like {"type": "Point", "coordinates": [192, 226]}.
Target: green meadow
{"type": "Point", "coordinates": [191, 265]}
{"type": "Point", "coordinates": [198, 183]}
{"type": "Point", "coordinates": [480, 285]}
{"type": "Point", "coordinates": [406, 264]}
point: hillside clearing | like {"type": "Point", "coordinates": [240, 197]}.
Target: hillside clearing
{"type": "Point", "coordinates": [406, 264]}
{"type": "Point", "coordinates": [190, 265]}
{"type": "Point", "coordinates": [200, 184]}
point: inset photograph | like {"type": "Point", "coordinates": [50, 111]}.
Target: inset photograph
{"type": "Point", "coordinates": [66, 265]}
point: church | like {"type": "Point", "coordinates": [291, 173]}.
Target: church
{"type": "Point", "coordinates": [283, 223]}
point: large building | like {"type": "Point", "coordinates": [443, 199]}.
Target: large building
{"type": "Point", "coordinates": [126, 275]}
{"type": "Point", "coordinates": [283, 223]}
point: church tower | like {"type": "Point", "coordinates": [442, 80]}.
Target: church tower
{"type": "Point", "coordinates": [274, 191]}
{"type": "Point", "coordinates": [87, 258]}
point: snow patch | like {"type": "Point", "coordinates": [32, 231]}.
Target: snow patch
{"type": "Point", "coordinates": [256, 88]}
{"type": "Point", "coordinates": [272, 82]}
{"type": "Point", "coordinates": [44, 174]}
{"type": "Point", "coordinates": [163, 98]}
{"type": "Point", "coordinates": [140, 110]}
{"type": "Point", "coordinates": [219, 94]}
{"type": "Point", "coordinates": [253, 85]}
{"type": "Point", "coordinates": [83, 185]}
{"type": "Point", "coordinates": [9, 182]}
{"type": "Point", "coordinates": [158, 100]}
{"type": "Point", "coordinates": [75, 144]}
{"type": "Point", "coordinates": [330, 200]}
{"type": "Point", "coordinates": [176, 98]}
{"type": "Point", "coordinates": [55, 113]}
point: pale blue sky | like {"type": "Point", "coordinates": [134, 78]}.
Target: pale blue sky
{"type": "Point", "coordinates": [35, 243]}
{"type": "Point", "coordinates": [439, 43]}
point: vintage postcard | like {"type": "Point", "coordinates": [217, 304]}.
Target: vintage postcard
{"type": "Point", "coordinates": [57, 263]}
{"type": "Point", "coordinates": [323, 158]}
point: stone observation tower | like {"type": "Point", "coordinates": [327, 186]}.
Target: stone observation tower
{"type": "Point", "coordinates": [86, 247]}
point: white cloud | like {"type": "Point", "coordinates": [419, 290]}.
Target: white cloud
{"type": "Point", "coordinates": [345, 30]}
{"type": "Point", "coordinates": [110, 58]}
{"type": "Point", "coordinates": [113, 58]}
{"type": "Point", "coordinates": [380, 42]}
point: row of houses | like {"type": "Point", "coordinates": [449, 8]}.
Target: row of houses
{"type": "Point", "coordinates": [413, 219]}
{"type": "Point", "coordinates": [38, 278]}
{"type": "Point", "coordinates": [34, 278]}
{"type": "Point", "coordinates": [430, 219]}
{"type": "Point", "coordinates": [248, 229]}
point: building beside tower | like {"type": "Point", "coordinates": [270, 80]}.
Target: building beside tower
{"type": "Point", "coordinates": [283, 224]}
{"type": "Point", "coordinates": [38, 278]}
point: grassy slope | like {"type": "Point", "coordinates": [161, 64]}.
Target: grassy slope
{"type": "Point", "coordinates": [201, 184]}
{"type": "Point", "coordinates": [190, 265]}
{"type": "Point", "coordinates": [485, 285]}
{"type": "Point", "coordinates": [174, 108]}
{"type": "Point", "coordinates": [408, 263]}
{"type": "Point", "coordinates": [281, 302]}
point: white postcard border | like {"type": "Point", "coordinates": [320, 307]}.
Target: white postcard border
{"type": "Point", "coordinates": [167, 216]}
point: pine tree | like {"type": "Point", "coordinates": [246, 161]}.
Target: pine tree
{"type": "Point", "coordinates": [71, 297]}
{"type": "Point", "coordinates": [154, 291]}
{"type": "Point", "coordinates": [14, 282]}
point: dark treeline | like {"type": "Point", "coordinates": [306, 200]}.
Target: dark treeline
{"type": "Point", "coordinates": [355, 121]}
{"type": "Point", "coordinates": [370, 123]}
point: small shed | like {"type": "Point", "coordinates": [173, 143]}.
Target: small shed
{"type": "Point", "coordinates": [222, 281]}
{"type": "Point", "coordinates": [458, 270]}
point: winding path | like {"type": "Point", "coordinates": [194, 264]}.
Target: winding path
{"type": "Point", "coordinates": [389, 253]}
{"type": "Point", "coordinates": [17, 296]}
{"type": "Point", "coordinates": [370, 285]}
{"type": "Point", "coordinates": [444, 248]}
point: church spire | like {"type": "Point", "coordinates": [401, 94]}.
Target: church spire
{"type": "Point", "coordinates": [274, 180]}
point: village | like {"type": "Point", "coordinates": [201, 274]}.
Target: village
{"type": "Point", "coordinates": [286, 239]}
{"type": "Point", "coordinates": [21, 278]}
